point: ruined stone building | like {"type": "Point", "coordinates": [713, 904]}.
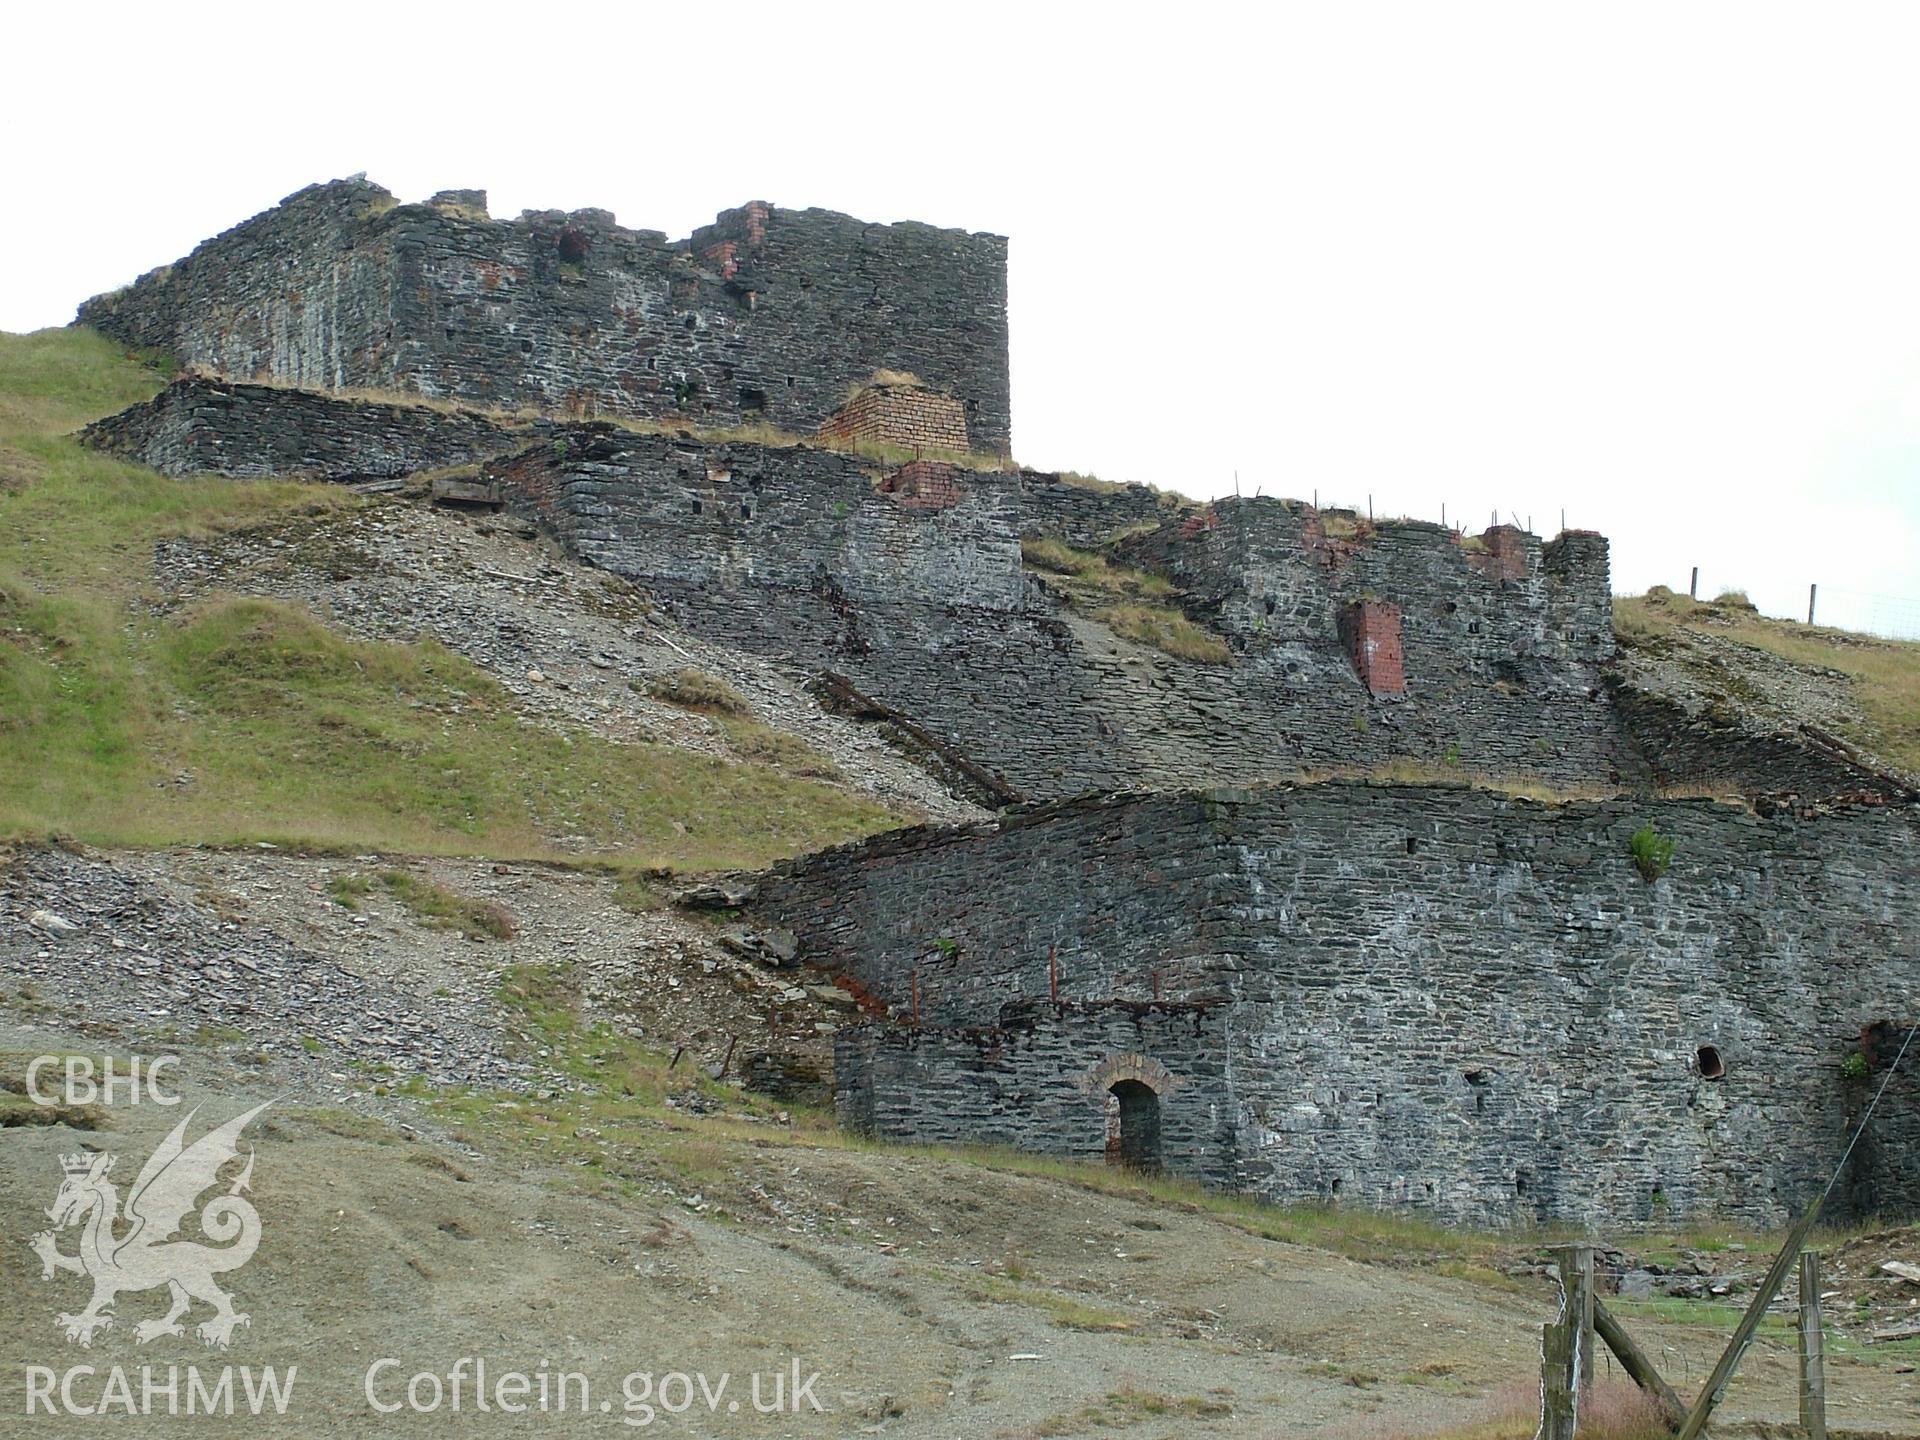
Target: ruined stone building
{"type": "Point", "coordinates": [1197, 935]}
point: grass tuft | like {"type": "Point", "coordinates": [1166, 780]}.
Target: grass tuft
{"type": "Point", "coordinates": [696, 690]}
{"type": "Point", "coordinates": [444, 909]}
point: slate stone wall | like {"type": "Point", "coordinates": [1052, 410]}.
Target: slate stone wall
{"type": "Point", "coordinates": [1088, 516]}
{"type": "Point", "coordinates": [1349, 646]}
{"type": "Point", "coordinates": [1038, 1080]}
{"type": "Point", "coordinates": [198, 426]}
{"type": "Point", "coordinates": [768, 314]}
{"type": "Point", "coordinates": [1435, 999]}
{"type": "Point", "coordinates": [911, 584]}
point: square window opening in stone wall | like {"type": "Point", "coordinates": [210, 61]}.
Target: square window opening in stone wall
{"type": "Point", "coordinates": [752, 401]}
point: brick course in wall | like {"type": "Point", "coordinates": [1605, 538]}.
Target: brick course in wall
{"type": "Point", "coordinates": [911, 417]}
{"type": "Point", "coordinates": [768, 314]}
{"type": "Point", "coordinates": [1371, 631]}
{"type": "Point", "coordinates": [926, 484]}
{"type": "Point", "coordinates": [1423, 998]}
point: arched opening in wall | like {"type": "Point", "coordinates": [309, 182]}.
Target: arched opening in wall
{"type": "Point", "coordinates": [1712, 1067]}
{"type": "Point", "coordinates": [1133, 1127]}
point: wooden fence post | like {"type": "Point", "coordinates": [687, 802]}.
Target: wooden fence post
{"type": "Point", "coordinates": [1566, 1345]}
{"type": "Point", "coordinates": [1576, 1275]}
{"type": "Point", "coordinates": [1769, 1287]}
{"type": "Point", "coordinates": [1813, 1351]}
{"type": "Point", "coordinates": [1559, 1396]}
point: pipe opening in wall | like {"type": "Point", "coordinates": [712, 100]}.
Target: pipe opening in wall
{"type": "Point", "coordinates": [1712, 1067]}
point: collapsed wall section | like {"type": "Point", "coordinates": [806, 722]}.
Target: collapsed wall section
{"type": "Point", "coordinates": [1437, 999]}
{"type": "Point", "coordinates": [768, 315]}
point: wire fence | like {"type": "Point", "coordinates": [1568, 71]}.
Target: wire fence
{"type": "Point", "coordinates": [1894, 617]}
{"type": "Point", "coordinates": [1841, 607]}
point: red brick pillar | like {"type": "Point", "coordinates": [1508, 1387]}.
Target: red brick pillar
{"type": "Point", "coordinates": [1371, 631]}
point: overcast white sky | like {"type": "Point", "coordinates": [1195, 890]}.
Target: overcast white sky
{"type": "Point", "coordinates": [1657, 265]}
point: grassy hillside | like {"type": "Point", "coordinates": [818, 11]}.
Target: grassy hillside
{"type": "Point", "coordinates": [248, 720]}
{"type": "Point", "coordinates": [1883, 675]}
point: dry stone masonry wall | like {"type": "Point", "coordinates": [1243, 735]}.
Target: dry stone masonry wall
{"type": "Point", "coordinates": [1427, 998]}
{"type": "Point", "coordinates": [766, 315]}
{"type": "Point", "coordinates": [1026, 1082]}
{"type": "Point", "coordinates": [199, 426]}
{"type": "Point", "coordinates": [1349, 644]}
{"type": "Point", "coordinates": [909, 581]}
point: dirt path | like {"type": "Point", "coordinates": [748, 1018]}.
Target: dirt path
{"type": "Point", "coordinates": [430, 1187]}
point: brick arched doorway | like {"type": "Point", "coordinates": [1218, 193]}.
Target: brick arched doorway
{"type": "Point", "coordinates": [1133, 1127]}
{"type": "Point", "coordinates": [1129, 1089]}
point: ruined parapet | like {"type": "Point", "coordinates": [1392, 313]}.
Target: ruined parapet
{"type": "Point", "coordinates": [904, 414]}
{"type": "Point", "coordinates": [767, 315]}
{"type": "Point", "coordinates": [908, 581]}
{"type": "Point", "coordinates": [1086, 512]}
{"type": "Point", "coordinates": [1497, 610]}
{"type": "Point", "coordinates": [197, 426]}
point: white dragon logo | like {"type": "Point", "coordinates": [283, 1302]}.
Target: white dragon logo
{"type": "Point", "coordinates": [147, 1254]}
